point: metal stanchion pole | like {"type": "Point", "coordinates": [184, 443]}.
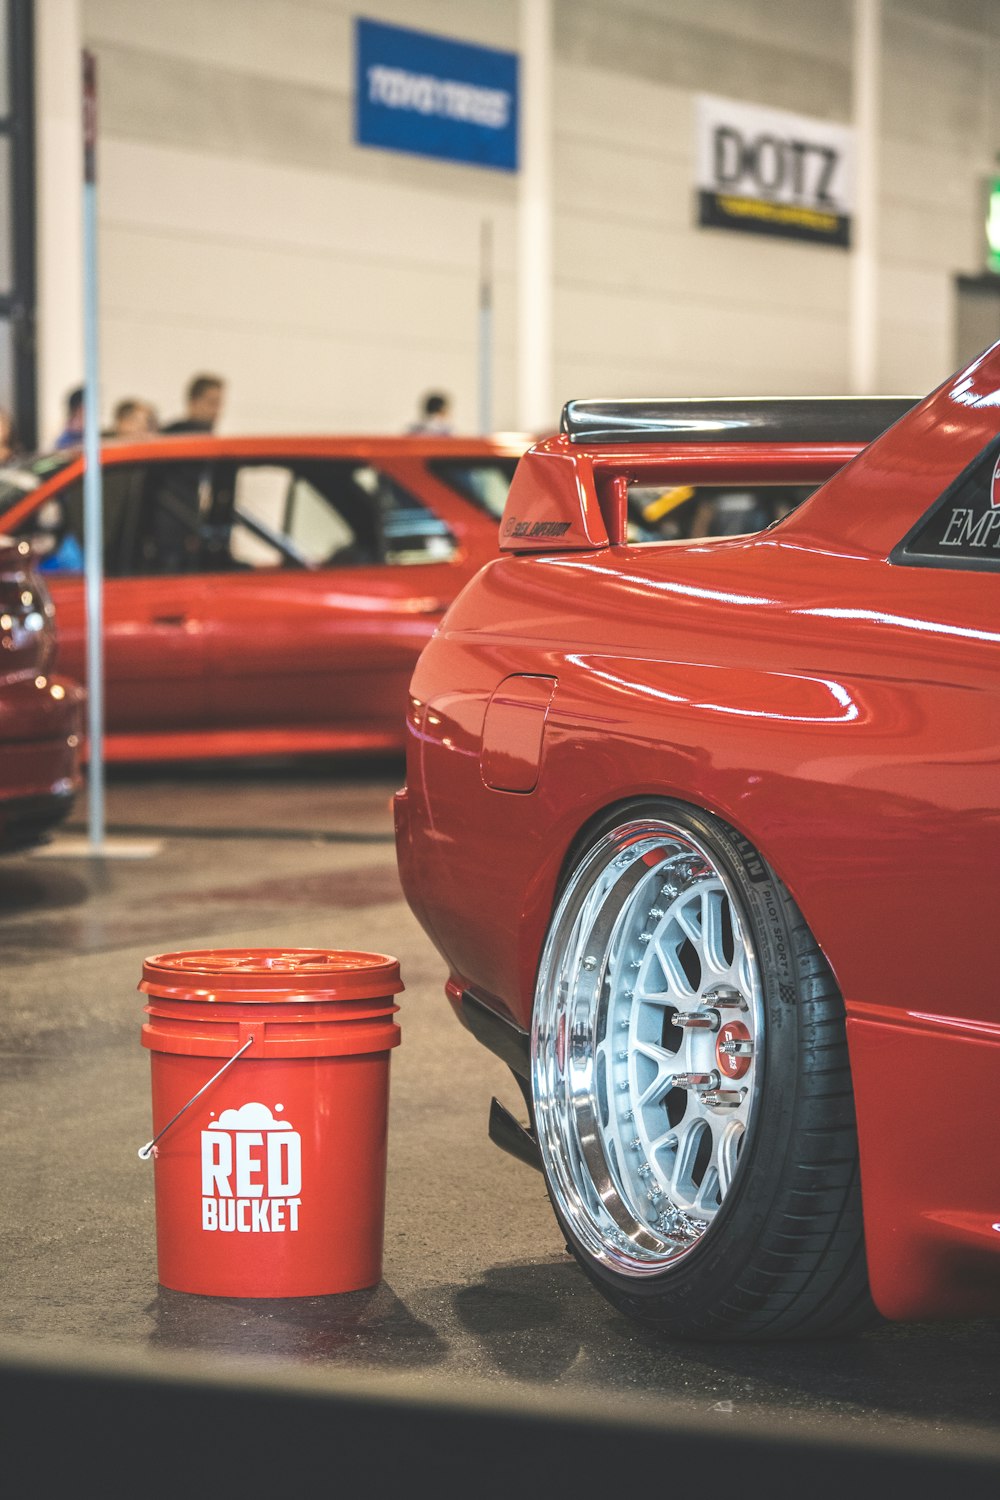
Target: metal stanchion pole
{"type": "Point", "coordinates": [534, 222]}
{"type": "Point", "coordinates": [93, 521]}
{"type": "Point", "coordinates": [486, 329]}
{"type": "Point", "coordinates": [864, 234]}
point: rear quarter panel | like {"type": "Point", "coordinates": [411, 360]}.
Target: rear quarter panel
{"type": "Point", "coordinates": [847, 744]}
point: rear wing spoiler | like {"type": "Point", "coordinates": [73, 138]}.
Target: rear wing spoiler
{"type": "Point", "coordinates": [570, 493]}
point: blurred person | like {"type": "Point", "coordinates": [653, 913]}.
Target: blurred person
{"type": "Point", "coordinates": [72, 433]}
{"type": "Point", "coordinates": [435, 415]}
{"type": "Point", "coordinates": [204, 398]}
{"type": "Point", "coordinates": [10, 446]}
{"type": "Point", "coordinates": [56, 546]}
{"type": "Point", "coordinates": [134, 420]}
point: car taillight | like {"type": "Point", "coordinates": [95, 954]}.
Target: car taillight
{"type": "Point", "coordinates": [27, 617]}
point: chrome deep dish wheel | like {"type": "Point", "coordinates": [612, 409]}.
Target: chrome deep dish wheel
{"type": "Point", "coordinates": [647, 1046]}
{"type": "Point", "coordinates": [691, 1085]}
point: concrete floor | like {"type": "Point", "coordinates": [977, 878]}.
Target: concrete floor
{"type": "Point", "coordinates": [478, 1294]}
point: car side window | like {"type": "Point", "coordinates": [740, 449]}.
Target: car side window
{"type": "Point", "coordinates": [410, 531]}
{"type": "Point", "coordinates": [55, 528]}
{"type": "Point", "coordinates": [484, 481]}
{"type": "Point", "coordinates": [173, 522]}
{"type": "Point", "coordinates": [336, 513]}
{"type": "Point", "coordinates": [281, 516]}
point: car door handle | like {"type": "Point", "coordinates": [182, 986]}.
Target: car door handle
{"type": "Point", "coordinates": [170, 620]}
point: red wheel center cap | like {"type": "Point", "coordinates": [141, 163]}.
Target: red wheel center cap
{"type": "Point", "coordinates": [734, 1049]}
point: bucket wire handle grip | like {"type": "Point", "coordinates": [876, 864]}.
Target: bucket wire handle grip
{"type": "Point", "coordinates": [146, 1151]}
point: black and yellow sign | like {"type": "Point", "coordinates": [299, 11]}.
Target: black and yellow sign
{"type": "Point", "coordinates": [765, 171]}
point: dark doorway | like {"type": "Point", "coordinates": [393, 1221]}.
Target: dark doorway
{"type": "Point", "coordinates": [977, 315]}
{"type": "Point", "coordinates": [17, 217]}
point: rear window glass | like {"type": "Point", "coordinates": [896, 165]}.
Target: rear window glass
{"type": "Point", "coordinates": [680, 512]}
{"type": "Point", "coordinates": [962, 527]}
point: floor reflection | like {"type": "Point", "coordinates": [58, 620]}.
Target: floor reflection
{"type": "Point", "coordinates": [372, 1328]}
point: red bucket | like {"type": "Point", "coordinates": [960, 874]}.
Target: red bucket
{"type": "Point", "coordinates": [270, 1169]}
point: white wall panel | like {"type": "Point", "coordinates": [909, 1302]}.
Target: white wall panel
{"type": "Point", "coordinates": [913, 360]}
{"type": "Point", "coordinates": [932, 89]}
{"type": "Point", "coordinates": [159, 188]}
{"type": "Point", "coordinates": [328, 294]}
{"type": "Point", "coordinates": [620, 184]}
{"type": "Point", "coordinates": [306, 41]}
{"type": "Point", "coordinates": [620, 110]}
{"type": "Point", "coordinates": [297, 40]}
{"type": "Point", "coordinates": [731, 270]}
{"type": "Point", "coordinates": [925, 235]}
{"type": "Point", "coordinates": [813, 28]}
{"type": "Point", "coordinates": [706, 333]}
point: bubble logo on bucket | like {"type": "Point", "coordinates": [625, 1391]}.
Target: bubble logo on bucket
{"type": "Point", "coordinates": [251, 1172]}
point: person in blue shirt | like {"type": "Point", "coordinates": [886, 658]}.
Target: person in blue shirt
{"type": "Point", "coordinates": [72, 433]}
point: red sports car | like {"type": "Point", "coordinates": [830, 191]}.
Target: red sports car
{"type": "Point", "coordinates": [262, 595]}
{"type": "Point", "coordinates": [708, 834]}
{"type": "Point", "coordinates": [40, 714]}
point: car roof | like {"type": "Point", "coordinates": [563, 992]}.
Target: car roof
{"type": "Point", "coordinates": [370, 446]}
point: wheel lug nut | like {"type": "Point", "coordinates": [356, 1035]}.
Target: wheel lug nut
{"type": "Point", "coordinates": [698, 1020]}
{"type": "Point", "coordinates": [723, 1098]}
{"type": "Point", "coordinates": [696, 1081]}
{"type": "Point", "coordinates": [725, 997]}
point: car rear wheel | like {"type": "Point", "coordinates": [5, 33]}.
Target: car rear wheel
{"type": "Point", "coordinates": [691, 1090]}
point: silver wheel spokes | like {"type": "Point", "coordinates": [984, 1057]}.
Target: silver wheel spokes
{"type": "Point", "coordinates": [646, 1046]}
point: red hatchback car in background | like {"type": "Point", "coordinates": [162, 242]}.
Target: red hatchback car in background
{"type": "Point", "coordinates": [708, 835]}
{"type": "Point", "coordinates": [263, 595]}
{"type": "Point", "coordinates": [40, 714]}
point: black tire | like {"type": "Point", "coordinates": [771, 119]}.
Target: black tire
{"type": "Point", "coordinates": [770, 1246]}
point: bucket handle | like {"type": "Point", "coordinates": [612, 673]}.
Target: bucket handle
{"type": "Point", "coordinates": [146, 1151]}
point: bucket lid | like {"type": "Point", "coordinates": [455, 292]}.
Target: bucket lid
{"type": "Point", "coordinates": [245, 975]}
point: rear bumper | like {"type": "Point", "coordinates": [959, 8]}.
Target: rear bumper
{"type": "Point", "coordinates": [926, 1091]}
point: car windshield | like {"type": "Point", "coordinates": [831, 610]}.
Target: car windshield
{"type": "Point", "coordinates": [18, 480]}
